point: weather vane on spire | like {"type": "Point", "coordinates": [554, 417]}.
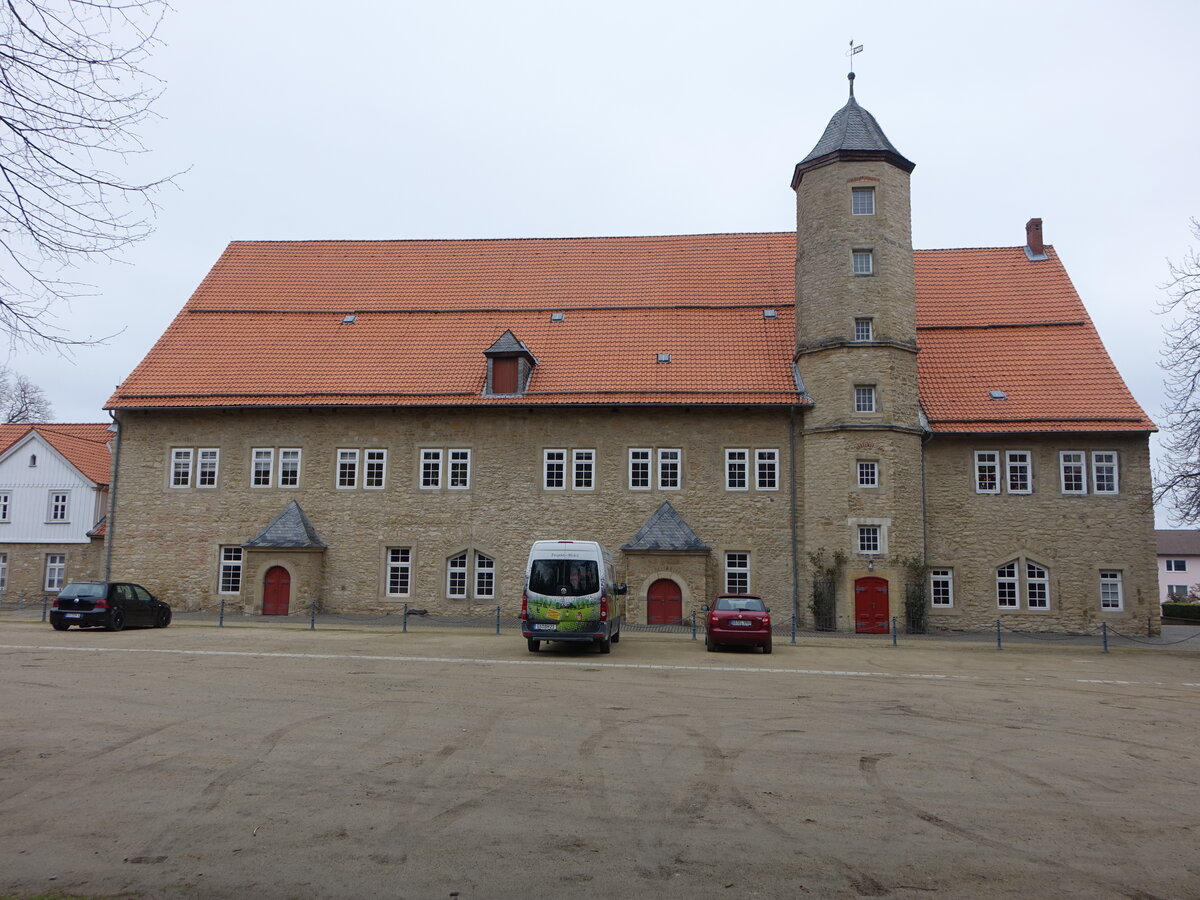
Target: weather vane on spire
{"type": "Point", "coordinates": [852, 52]}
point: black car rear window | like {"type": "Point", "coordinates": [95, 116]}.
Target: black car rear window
{"type": "Point", "coordinates": [93, 589]}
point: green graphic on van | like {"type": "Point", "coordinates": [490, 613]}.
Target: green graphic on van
{"type": "Point", "coordinates": [569, 614]}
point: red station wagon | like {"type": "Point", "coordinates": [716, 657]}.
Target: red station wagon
{"type": "Point", "coordinates": [737, 619]}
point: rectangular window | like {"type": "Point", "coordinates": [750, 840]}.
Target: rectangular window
{"type": "Point", "coordinates": [1177, 591]}
{"type": "Point", "coordinates": [1019, 466]}
{"type": "Point", "coordinates": [1176, 565]}
{"type": "Point", "coordinates": [456, 577]}
{"type": "Point", "coordinates": [374, 469]}
{"type": "Point", "coordinates": [864, 398]}
{"type": "Point", "coordinates": [1111, 594]}
{"type": "Point", "coordinates": [864, 330]}
{"type": "Point", "coordinates": [668, 470]}
{"type": "Point", "coordinates": [768, 469]}
{"type": "Point", "coordinates": [736, 470]}
{"type": "Point", "coordinates": [1037, 586]}
{"type": "Point", "coordinates": [5, 505]}
{"type": "Point", "coordinates": [3, 571]}
{"type": "Point", "coordinates": [584, 464]}
{"type": "Point", "coordinates": [987, 472]}
{"type": "Point", "coordinates": [737, 573]}
{"type": "Point", "coordinates": [868, 539]}
{"type": "Point", "coordinates": [289, 468]}
{"type": "Point", "coordinates": [1105, 479]}
{"type": "Point", "coordinates": [864, 262]}
{"type": "Point", "coordinates": [639, 470]}
{"type": "Point", "coordinates": [1006, 586]}
{"type": "Point", "coordinates": [231, 570]}
{"type": "Point", "coordinates": [431, 469]}
{"type": "Point", "coordinates": [941, 588]}
{"type": "Point", "coordinates": [56, 571]}
{"type": "Point", "coordinates": [868, 473]}
{"type": "Point", "coordinates": [554, 468]}
{"type": "Point", "coordinates": [59, 502]}
{"type": "Point", "coordinates": [485, 577]}
{"type": "Point", "coordinates": [262, 460]}
{"type": "Point", "coordinates": [399, 571]}
{"type": "Point", "coordinates": [1073, 472]}
{"type": "Point", "coordinates": [862, 201]}
{"type": "Point", "coordinates": [347, 469]}
{"type": "Point", "coordinates": [206, 473]}
{"type": "Point", "coordinates": [460, 470]}
{"type": "Point", "coordinates": [181, 467]}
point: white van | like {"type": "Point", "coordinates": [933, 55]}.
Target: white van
{"type": "Point", "coordinates": [571, 594]}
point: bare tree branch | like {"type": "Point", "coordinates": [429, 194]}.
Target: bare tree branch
{"type": "Point", "coordinates": [21, 400]}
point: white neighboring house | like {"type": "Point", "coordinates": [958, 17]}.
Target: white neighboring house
{"type": "Point", "coordinates": [53, 499]}
{"type": "Point", "coordinates": [1178, 563]}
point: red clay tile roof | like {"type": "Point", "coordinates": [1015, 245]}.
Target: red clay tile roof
{"type": "Point", "coordinates": [84, 445]}
{"type": "Point", "coordinates": [265, 328]}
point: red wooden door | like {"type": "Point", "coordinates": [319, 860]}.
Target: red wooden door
{"type": "Point", "coordinates": [277, 589]}
{"type": "Point", "coordinates": [871, 605]}
{"type": "Point", "coordinates": [664, 603]}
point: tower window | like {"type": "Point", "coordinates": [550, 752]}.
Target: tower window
{"type": "Point", "coordinates": [864, 262]}
{"type": "Point", "coordinates": [864, 398]}
{"type": "Point", "coordinates": [864, 330]}
{"type": "Point", "coordinates": [862, 201]}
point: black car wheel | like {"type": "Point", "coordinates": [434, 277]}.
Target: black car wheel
{"type": "Point", "coordinates": [767, 647]}
{"type": "Point", "coordinates": [710, 645]}
{"type": "Point", "coordinates": [61, 626]}
{"type": "Point", "coordinates": [534, 645]}
{"type": "Point", "coordinates": [116, 620]}
{"type": "Point", "coordinates": [164, 618]}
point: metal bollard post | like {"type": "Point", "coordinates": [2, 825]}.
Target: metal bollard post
{"type": "Point", "coordinates": [893, 631]}
{"type": "Point", "coordinates": [793, 628]}
{"type": "Point", "coordinates": [497, 620]}
{"type": "Point", "coordinates": [998, 647]}
{"type": "Point", "coordinates": [1104, 632]}
{"type": "Point", "coordinates": [312, 616]}
{"type": "Point", "coordinates": [404, 626]}
{"type": "Point", "coordinates": [45, 605]}
{"type": "Point", "coordinates": [221, 617]}
{"type": "Point", "coordinates": [693, 625]}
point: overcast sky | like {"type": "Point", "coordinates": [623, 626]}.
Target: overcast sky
{"type": "Point", "coordinates": [298, 120]}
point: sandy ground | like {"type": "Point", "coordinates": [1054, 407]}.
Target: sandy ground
{"type": "Point", "coordinates": [203, 762]}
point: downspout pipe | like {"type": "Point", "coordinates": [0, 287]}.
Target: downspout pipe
{"type": "Point", "coordinates": [110, 526]}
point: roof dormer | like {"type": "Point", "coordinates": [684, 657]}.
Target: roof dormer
{"type": "Point", "coordinates": [509, 365]}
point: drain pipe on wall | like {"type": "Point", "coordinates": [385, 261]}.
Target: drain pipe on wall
{"type": "Point", "coordinates": [111, 518]}
{"type": "Point", "coordinates": [794, 517]}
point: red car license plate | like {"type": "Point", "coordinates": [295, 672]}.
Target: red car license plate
{"type": "Point", "coordinates": [741, 622]}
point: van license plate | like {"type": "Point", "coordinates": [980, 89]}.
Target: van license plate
{"type": "Point", "coordinates": [544, 626]}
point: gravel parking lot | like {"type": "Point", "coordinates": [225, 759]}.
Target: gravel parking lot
{"type": "Point", "coordinates": [205, 762]}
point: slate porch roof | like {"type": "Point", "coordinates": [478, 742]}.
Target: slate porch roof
{"type": "Point", "coordinates": [666, 530]}
{"type": "Point", "coordinates": [291, 529]}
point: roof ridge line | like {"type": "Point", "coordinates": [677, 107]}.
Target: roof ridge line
{"type": "Point", "coordinates": [1063, 323]}
{"type": "Point", "coordinates": [358, 310]}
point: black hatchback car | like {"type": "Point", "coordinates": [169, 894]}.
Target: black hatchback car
{"type": "Point", "coordinates": [111, 605]}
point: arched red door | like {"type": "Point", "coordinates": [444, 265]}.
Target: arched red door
{"type": "Point", "coordinates": [664, 603]}
{"type": "Point", "coordinates": [871, 605]}
{"type": "Point", "coordinates": [277, 590]}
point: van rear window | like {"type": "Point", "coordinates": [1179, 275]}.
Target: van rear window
{"type": "Point", "coordinates": [564, 577]}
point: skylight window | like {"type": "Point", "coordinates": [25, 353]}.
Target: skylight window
{"type": "Point", "coordinates": [664, 357]}
{"type": "Point", "coordinates": [349, 319]}
{"type": "Point", "coordinates": [557, 316]}
{"type": "Point", "coordinates": [770, 314]}
{"type": "Point", "coordinates": [998, 395]}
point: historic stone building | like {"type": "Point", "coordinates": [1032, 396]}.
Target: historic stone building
{"type": "Point", "coordinates": [825, 417]}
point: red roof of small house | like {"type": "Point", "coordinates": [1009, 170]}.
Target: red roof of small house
{"type": "Point", "coordinates": [84, 445]}
{"type": "Point", "coordinates": [370, 323]}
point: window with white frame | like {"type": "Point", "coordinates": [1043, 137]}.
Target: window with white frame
{"type": "Point", "coordinates": [347, 469]}
{"type": "Point", "coordinates": [1176, 565]}
{"type": "Point", "coordinates": [5, 506]}
{"type": "Point", "coordinates": [1020, 471]}
{"type": "Point", "coordinates": [56, 571]}
{"type": "Point", "coordinates": [737, 470]}
{"type": "Point", "coordinates": [207, 465]}
{"type": "Point", "coordinates": [869, 538]}
{"type": "Point", "coordinates": [767, 463]}
{"type": "Point", "coordinates": [431, 470]}
{"type": "Point", "coordinates": [554, 470]}
{"type": "Point", "coordinates": [399, 571]}
{"type": "Point", "coordinates": [3, 571]}
{"type": "Point", "coordinates": [460, 469]}
{"type": "Point", "coordinates": [289, 467]}
{"type": "Point", "coordinates": [864, 398]}
{"type": "Point", "coordinates": [485, 577]}
{"type": "Point", "coordinates": [1105, 477]}
{"type": "Point", "coordinates": [864, 329]}
{"type": "Point", "coordinates": [1072, 472]}
{"type": "Point", "coordinates": [262, 461]}
{"type": "Point", "coordinates": [583, 465]}
{"type": "Point", "coordinates": [1112, 595]}
{"type": "Point", "coordinates": [231, 570]}
{"type": "Point", "coordinates": [1177, 591]}
{"type": "Point", "coordinates": [987, 472]}
{"type": "Point", "coordinates": [863, 262]}
{"type": "Point", "coordinates": [456, 577]}
{"type": "Point", "coordinates": [1037, 586]}
{"type": "Point", "coordinates": [868, 473]}
{"type": "Point", "coordinates": [1008, 594]}
{"type": "Point", "coordinates": [181, 467]}
{"type": "Point", "coordinates": [639, 469]}
{"type": "Point", "coordinates": [862, 201]}
{"type": "Point", "coordinates": [941, 588]}
{"type": "Point", "coordinates": [737, 572]}
{"type": "Point", "coordinates": [668, 470]}
{"type": "Point", "coordinates": [59, 505]}
{"type": "Point", "coordinates": [374, 469]}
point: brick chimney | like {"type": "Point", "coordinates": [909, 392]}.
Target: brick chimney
{"type": "Point", "coordinates": [1033, 238]}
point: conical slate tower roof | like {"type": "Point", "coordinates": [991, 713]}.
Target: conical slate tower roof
{"type": "Point", "coordinates": [852, 133]}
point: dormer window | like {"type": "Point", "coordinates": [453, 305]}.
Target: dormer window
{"type": "Point", "coordinates": [509, 366]}
{"type": "Point", "coordinates": [504, 375]}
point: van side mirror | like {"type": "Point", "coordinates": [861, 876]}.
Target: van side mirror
{"type": "Point", "coordinates": [622, 588]}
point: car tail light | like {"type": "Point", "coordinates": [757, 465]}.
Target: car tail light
{"type": "Point", "coordinates": [716, 620]}
{"type": "Point", "coordinates": [604, 607]}
{"type": "Point", "coordinates": [54, 603]}
{"type": "Point", "coordinates": [100, 603]}
{"type": "Point", "coordinates": [524, 604]}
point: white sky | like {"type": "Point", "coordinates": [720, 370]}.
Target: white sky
{"type": "Point", "coordinates": [546, 118]}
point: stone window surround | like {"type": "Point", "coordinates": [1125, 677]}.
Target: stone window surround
{"type": "Point", "coordinates": [736, 571]}
{"type": "Point", "coordinates": [882, 524]}
{"type": "Point", "coordinates": [862, 201]}
{"type": "Point", "coordinates": [871, 472]}
{"type": "Point", "coordinates": [944, 579]}
{"type": "Point", "coordinates": [461, 566]}
{"type": "Point", "coordinates": [398, 562]}
{"type": "Point", "coordinates": [1021, 578]}
{"type": "Point", "coordinates": [862, 262]}
{"type": "Point", "coordinates": [231, 560]}
{"type": "Point", "coordinates": [1113, 599]}
{"type": "Point", "coordinates": [1001, 460]}
{"type": "Point", "coordinates": [442, 467]}
{"type": "Point", "coordinates": [643, 468]}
